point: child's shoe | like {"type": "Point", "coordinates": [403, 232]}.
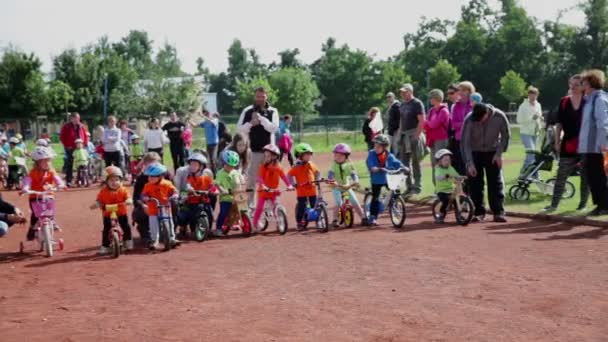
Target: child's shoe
{"type": "Point", "coordinates": [372, 221]}
{"type": "Point", "coordinates": [153, 245]}
{"type": "Point", "coordinates": [103, 250]}
{"type": "Point", "coordinates": [440, 219]}
{"type": "Point", "coordinates": [129, 245]}
{"type": "Point", "coordinates": [335, 224]}
{"type": "Point", "coordinates": [364, 222]}
{"type": "Point", "coordinates": [301, 226]}
{"type": "Point", "coordinates": [218, 233]}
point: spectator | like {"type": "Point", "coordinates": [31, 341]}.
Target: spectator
{"type": "Point", "coordinates": [569, 116]}
{"type": "Point", "coordinates": [70, 132]}
{"type": "Point", "coordinates": [460, 109]}
{"type": "Point", "coordinates": [485, 137]}
{"type": "Point", "coordinates": [187, 136]}
{"type": "Point", "coordinates": [240, 145]}
{"type": "Point", "coordinates": [593, 138]}
{"type": "Point", "coordinates": [285, 139]}
{"type": "Point", "coordinates": [112, 147]}
{"type": "Point", "coordinates": [436, 126]}
{"type": "Point", "coordinates": [529, 118]}
{"type": "Point", "coordinates": [210, 124]}
{"type": "Point", "coordinates": [412, 147]}
{"type": "Point", "coordinates": [453, 95]}
{"type": "Point", "coordinates": [393, 122]}
{"type": "Point", "coordinates": [372, 126]}
{"type": "Point", "coordinates": [125, 135]}
{"type": "Point", "coordinates": [174, 129]}
{"type": "Point", "coordinates": [154, 139]}
{"type": "Point", "coordinates": [259, 122]}
{"type": "Point", "coordinates": [9, 215]}
{"type": "Point", "coordinates": [224, 133]}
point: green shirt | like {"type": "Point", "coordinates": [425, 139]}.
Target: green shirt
{"type": "Point", "coordinates": [442, 182]}
{"type": "Point", "coordinates": [136, 150]}
{"type": "Point", "coordinates": [81, 157]}
{"type": "Point", "coordinates": [16, 152]}
{"type": "Point", "coordinates": [228, 181]}
{"type": "Point", "coordinates": [343, 173]}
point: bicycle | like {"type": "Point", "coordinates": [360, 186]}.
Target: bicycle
{"type": "Point", "coordinates": [95, 169]}
{"type": "Point", "coordinates": [464, 209]}
{"type": "Point", "coordinates": [392, 199]}
{"type": "Point", "coordinates": [318, 213]}
{"type": "Point", "coordinates": [346, 211]}
{"type": "Point", "coordinates": [203, 211]}
{"type": "Point", "coordinates": [165, 223]}
{"type": "Point", "coordinates": [116, 233]}
{"type": "Point", "coordinates": [82, 176]}
{"type": "Point", "coordinates": [239, 214]}
{"type": "Point", "coordinates": [44, 210]}
{"type": "Point", "coordinates": [275, 213]}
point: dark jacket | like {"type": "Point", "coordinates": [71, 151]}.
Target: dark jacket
{"type": "Point", "coordinates": [394, 117]}
{"type": "Point", "coordinates": [262, 134]}
{"type": "Point", "coordinates": [5, 210]}
{"type": "Point", "coordinates": [367, 132]}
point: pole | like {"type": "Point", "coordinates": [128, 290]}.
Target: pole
{"type": "Point", "coordinates": [105, 98]}
{"type": "Point", "coordinates": [326, 131]}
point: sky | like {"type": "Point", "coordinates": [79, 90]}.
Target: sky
{"type": "Point", "coordinates": [207, 28]}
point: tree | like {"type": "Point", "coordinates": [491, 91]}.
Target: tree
{"type": "Point", "coordinates": [238, 61]}
{"type": "Point", "coordinates": [289, 58]}
{"type": "Point", "coordinates": [167, 62]}
{"type": "Point", "coordinates": [512, 86]}
{"type": "Point", "coordinates": [595, 38]}
{"type": "Point", "coordinates": [245, 91]}
{"type": "Point", "coordinates": [137, 48]}
{"type": "Point", "coordinates": [160, 94]}
{"type": "Point", "coordinates": [393, 76]}
{"type": "Point", "coordinates": [201, 69]}
{"type": "Point", "coordinates": [22, 86]}
{"type": "Point", "coordinates": [220, 84]}
{"type": "Point", "coordinates": [296, 91]}
{"type": "Point", "coordinates": [443, 74]}
{"type": "Point", "coordinates": [60, 97]}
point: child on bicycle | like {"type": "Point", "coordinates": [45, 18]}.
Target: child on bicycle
{"type": "Point", "coordinates": [303, 174]}
{"type": "Point", "coordinates": [227, 180]}
{"type": "Point", "coordinates": [268, 179]}
{"type": "Point", "coordinates": [81, 156]}
{"type": "Point", "coordinates": [113, 192]}
{"type": "Point", "coordinates": [42, 177]}
{"type": "Point", "coordinates": [163, 191]}
{"type": "Point", "coordinates": [379, 158]}
{"type": "Point", "coordinates": [341, 173]}
{"type": "Point", "coordinates": [15, 157]}
{"type": "Point", "coordinates": [190, 178]}
{"type": "Point", "coordinates": [445, 175]}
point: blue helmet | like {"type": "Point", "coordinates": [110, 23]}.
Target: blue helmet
{"type": "Point", "coordinates": [231, 158]}
{"type": "Point", "coordinates": [155, 170]}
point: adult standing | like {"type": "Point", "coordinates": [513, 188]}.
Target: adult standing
{"type": "Point", "coordinates": [453, 95]}
{"type": "Point", "coordinates": [154, 139]}
{"type": "Point", "coordinates": [259, 122]}
{"type": "Point", "coordinates": [393, 116]}
{"type": "Point", "coordinates": [210, 124]}
{"type": "Point", "coordinates": [436, 125]}
{"type": "Point", "coordinates": [70, 132]}
{"type": "Point", "coordinates": [174, 129]}
{"type": "Point", "coordinates": [568, 121]}
{"type": "Point", "coordinates": [112, 146]}
{"type": "Point", "coordinates": [411, 147]}
{"type": "Point", "coordinates": [593, 138]}
{"type": "Point", "coordinates": [529, 118]}
{"type": "Point", "coordinates": [461, 108]}
{"type": "Point", "coordinates": [372, 126]}
{"type": "Point", "coordinates": [485, 137]}
{"type": "Point", "coordinates": [285, 140]}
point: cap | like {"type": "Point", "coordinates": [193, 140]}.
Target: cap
{"type": "Point", "coordinates": [390, 94]}
{"type": "Point", "coordinates": [407, 87]}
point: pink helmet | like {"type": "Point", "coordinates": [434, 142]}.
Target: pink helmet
{"type": "Point", "coordinates": [272, 149]}
{"type": "Point", "coordinates": [342, 149]}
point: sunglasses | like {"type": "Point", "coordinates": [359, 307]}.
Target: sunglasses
{"type": "Point", "coordinates": [451, 92]}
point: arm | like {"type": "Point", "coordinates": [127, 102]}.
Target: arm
{"type": "Point", "coordinates": [243, 127]}
{"type": "Point", "coordinates": [420, 127]}
{"type": "Point", "coordinates": [467, 153]}
{"type": "Point", "coordinates": [439, 120]}
{"type": "Point", "coordinates": [601, 116]}
{"type": "Point", "coordinates": [271, 126]}
{"type": "Point", "coordinates": [285, 179]}
{"type": "Point", "coordinates": [505, 135]}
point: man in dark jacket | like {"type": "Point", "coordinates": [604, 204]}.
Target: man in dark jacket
{"type": "Point", "coordinates": [394, 116]}
{"type": "Point", "coordinates": [175, 129]}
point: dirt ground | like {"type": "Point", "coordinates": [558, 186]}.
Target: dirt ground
{"type": "Point", "coordinates": [520, 281]}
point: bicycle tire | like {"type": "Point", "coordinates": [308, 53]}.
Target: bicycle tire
{"type": "Point", "coordinates": [48, 241]}
{"type": "Point", "coordinates": [397, 222]}
{"type": "Point", "coordinates": [467, 207]}
{"type": "Point", "coordinates": [115, 245]}
{"type": "Point", "coordinates": [201, 230]}
{"type": "Point", "coordinates": [348, 217]}
{"type": "Point", "coordinates": [166, 235]}
{"type": "Point", "coordinates": [246, 225]}
{"type": "Point", "coordinates": [282, 224]}
{"type": "Point", "coordinates": [323, 221]}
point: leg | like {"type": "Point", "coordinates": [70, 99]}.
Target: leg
{"type": "Point", "coordinates": [566, 166]}
{"type": "Point", "coordinates": [375, 205]}
{"type": "Point", "coordinates": [212, 155]}
{"type": "Point", "coordinates": [69, 164]}
{"type": "Point", "coordinates": [416, 170]}
{"type": "Point", "coordinates": [107, 225]}
{"type": "Point", "coordinates": [174, 154]}
{"type": "Point", "coordinates": [154, 228]}
{"type": "Point", "coordinates": [13, 170]}
{"type": "Point", "coordinates": [223, 214]}
{"type": "Point", "coordinates": [301, 209]}
{"type": "Point", "coordinates": [528, 142]}
{"type": "Point", "coordinates": [457, 159]}
{"type": "Point", "coordinates": [338, 203]}
{"type": "Point", "coordinates": [256, 160]}
{"type": "Point", "coordinates": [259, 208]}
{"type": "Point", "coordinates": [181, 155]}
{"type": "Point", "coordinates": [31, 233]}
{"type": "Point", "coordinates": [123, 221]}
{"type": "Point", "coordinates": [407, 157]}
{"type": "Point", "coordinates": [476, 186]}
{"type": "Point", "coordinates": [355, 203]}
{"type": "Point", "coordinates": [594, 167]}
{"type": "Point", "coordinates": [584, 189]}
{"type": "Point", "coordinates": [496, 195]}
{"type": "Point", "coordinates": [290, 158]}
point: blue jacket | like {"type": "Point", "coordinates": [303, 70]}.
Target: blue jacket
{"type": "Point", "coordinates": [211, 131]}
{"type": "Point", "coordinates": [392, 163]}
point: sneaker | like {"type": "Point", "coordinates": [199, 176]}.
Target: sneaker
{"type": "Point", "coordinates": [581, 208]}
{"type": "Point", "coordinates": [175, 243]}
{"type": "Point", "coordinates": [218, 233]}
{"type": "Point", "coordinates": [598, 212]}
{"type": "Point", "coordinates": [478, 219]}
{"type": "Point", "coordinates": [335, 224]}
{"type": "Point", "coordinates": [153, 246]}
{"type": "Point", "coordinates": [500, 219]}
{"type": "Point", "coordinates": [103, 250]}
{"type": "Point", "coordinates": [364, 222]}
{"type": "Point", "coordinates": [439, 220]}
{"type": "Point", "coordinates": [372, 221]}
{"type": "Point", "coordinates": [549, 209]}
{"type": "Point", "coordinates": [301, 226]}
{"type": "Point", "coordinates": [129, 245]}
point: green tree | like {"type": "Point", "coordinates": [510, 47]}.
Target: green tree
{"type": "Point", "coordinates": [168, 63]}
{"type": "Point", "coordinates": [220, 84]}
{"type": "Point", "coordinates": [137, 49]}
{"type": "Point", "coordinates": [296, 91]}
{"type": "Point", "coordinates": [201, 69]}
{"type": "Point", "coordinates": [161, 94]}
{"type": "Point", "coordinates": [289, 58]}
{"type": "Point", "coordinates": [443, 74]}
{"type": "Point", "coordinates": [393, 76]}
{"type": "Point", "coordinates": [594, 41]}
{"type": "Point", "coordinates": [245, 91]}
{"type": "Point", "coordinates": [22, 86]}
{"type": "Point", "coordinates": [60, 97]}
{"type": "Point", "coordinates": [512, 86]}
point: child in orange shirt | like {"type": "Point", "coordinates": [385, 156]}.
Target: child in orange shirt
{"type": "Point", "coordinates": [302, 175]}
{"type": "Point", "coordinates": [163, 191]}
{"type": "Point", "coordinates": [42, 177]}
{"type": "Point", "coordinates": [113, 192]}
{"type": "Point", "coordinates": [268, 179]}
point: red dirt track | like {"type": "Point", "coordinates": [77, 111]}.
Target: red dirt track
{"type": "Point", "coordinates": [521, 281]}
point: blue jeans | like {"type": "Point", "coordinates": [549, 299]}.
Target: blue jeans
{"type": "Point", "coordinates": [224, 211]}
{"type": "Point", "coordinates": [529, 142]}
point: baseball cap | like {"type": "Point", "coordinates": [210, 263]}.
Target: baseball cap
{"type": "Point", "coordinates": [407, 87]}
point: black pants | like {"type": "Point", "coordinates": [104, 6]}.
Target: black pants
{"type": "Point", "coordinates": [13, 173]}
{"type": "Point", "coordinates": [31, 234]}
{"type": "Point", "coordinates": [457, 161]}
{"type": "Point", "coordinates": [289, 157]}
{"type": "Point", "coordinates": [374, 207]}
{"type": "Point", "coordinates": [123, 221]}
{"type": "Point", "coordinates": [160, 153]}
{"type": "Point", "coordinates": [69, 165]}
{"type": "Point", "coordinates": [301, 207]}
{"type": "Point", "coordinates": [445, 200]}
{"type": "Point", "coordinates": [212, 155]}
{"type": "Point", "coordinates": [493, 173]}
{"type": "Point", "coordinates": [178, 153]}
{"type": "Point", "coordinates": [112, 158]}
{"type": "Point", "coordinates": [567, 166]}
{"type": "Point", "coordinates": [140, 218]}
{"type": "Point", "coordinates": [593, 167]}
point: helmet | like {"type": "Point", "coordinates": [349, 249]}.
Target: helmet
{"type": "Point", "coordinates": [42, 142]}
{"type": "Point", "coordinates": [113, 171]}
{"type": "Point", "coordinates": [155, 170]}
{"type": "Point", "coordinates": [342, 149]}
{"type": "Point", "coordinates": [19, 136]}
{"type": "Point", "coordinates": [199, 157]}
{"type": "Point", "coordinates": [231, 158]}
{"type": "Point", "coordinates": [13, 140]}
{"type": "Point", "coordinates": [134, 137]}
{"type": "Point", "coordinates": [78, 141]}
{"type": "Point", "coordinates": [42, 152]}
{"type": "Point", "coordinates": [442, 153]}
{"type": "Point", "coordinates": [381, 140]}
{"type": "Point", "coordinates": [303, 148]}
{"type": "Point", "coordinates": [477, 98]}
{"type": "Point", "coordinates": [272, 149]}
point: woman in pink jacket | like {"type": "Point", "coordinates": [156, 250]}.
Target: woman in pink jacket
{"type": "Point", "coordinates": [459, 111]}
{"type": "Point", "coordinates": [436, 125]}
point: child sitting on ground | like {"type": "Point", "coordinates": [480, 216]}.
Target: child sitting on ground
{"type": "Point", "coordinates": [445, 175]}
{"type": "Point", "coordinates": [302, 175]}
{"type": "Point", "coordinates": [341, 170]}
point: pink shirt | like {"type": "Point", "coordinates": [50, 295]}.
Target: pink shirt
{"type": "Point", "coordinates": [459, 112]}
{"type": "Point", "coordinates": [187, 137]}
{"type": "Point", "coordinates": [436, 124]}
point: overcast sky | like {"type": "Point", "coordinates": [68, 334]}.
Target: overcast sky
{"type": "Point", "coordinates": [206, 28]}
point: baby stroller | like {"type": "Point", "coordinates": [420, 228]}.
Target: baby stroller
{"type": "Point", "coordinates": [543, 161]}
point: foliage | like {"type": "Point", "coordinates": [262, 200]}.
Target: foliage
{"type": "Point", "coordinates": [296, 91]}
{"type": "Point", "coordinates": [443, 74]}
{"type": "Point", "coordinates": [245, 91]}
{"type": "Point", "coordinates": [512, 86]}
{"type": "Point", "coordinates": [22, 86]}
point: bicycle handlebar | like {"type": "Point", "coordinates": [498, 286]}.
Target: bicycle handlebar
{"type": "Point", "coordinates": [404, 170]}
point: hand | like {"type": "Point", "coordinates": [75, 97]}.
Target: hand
{"type": "Point", "coordinates": [472, 171]}
{"type": "Point", "coordinates": [375, 169]}
{"type": "Point", "coordinates": [94, 206]}
{"type": "Point", "coordinates": [290, 188]}
{"type": "Point", "coordinates": [558, 146]}
{"type": "Point", "coordinates": [14, 218]}
{"type": "Point", "coordinates": [255, 122]}
{"type": "Point", "coordinates": [145, 207]}
{"type": "Point", "coordinates": [497, 160]}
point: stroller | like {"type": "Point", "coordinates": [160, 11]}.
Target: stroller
{"type": "Point", "coordinates": [543, 161]}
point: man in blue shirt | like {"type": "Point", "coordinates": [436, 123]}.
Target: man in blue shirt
{"type": "Point", "coordinates": [210, 124]}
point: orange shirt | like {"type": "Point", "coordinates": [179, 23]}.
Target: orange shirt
{"type": "Point", "coordinates": [40, 178]}
{"type": "Point", "coordinates": [270, 174]}
{"type": "Point", "coordinates": [162, 191]}
{"type": "Point", "coordinates": [305, 173]}
{"type": "Point", "coordinates": [200, 183]}
{"type": "Point", "coordinates": [108, 196]}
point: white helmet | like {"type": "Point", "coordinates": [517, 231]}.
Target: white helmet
{"type": "Point", "coordinates": [41, 152]}
{"type": "Point", "coordinates": [442, 153]}
{"type": "Point", "coordinates": [134, 136]}
{"type": "Point", "coordinates": [13, 140]}
{"type": "Point", "coordinates": [78, 141]}
{"type": "Point", "coordinates": [42, 142]}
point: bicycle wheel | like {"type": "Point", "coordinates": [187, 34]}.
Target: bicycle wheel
{"type": "Point", "coordinates": [246, 225]}
{"type": "Point", "coordinates": [264, 222]}
{"type": "Point", "coordinates": [115, 244]}
{"type": "Point", "coordinates": [48, 241]}
{"type": "Point", "coordinates": [397, 212]}
{"type": "Point", "coordinates": [521, 194]}
{"type": "Point", "coordinates": [282, 220]}
{"type": "Point", "coordinates": [322, 221]}
{"type": "Point", "coordinates": [348, 217]}
{"type": "Point", "coordinates": [165, 235]}
{"type": "Point", "coordinates": [464, 215]}
{"type": "Point", "coordinates": [202, 228]}
{"type": "Point", "coordinates": [569, 189]}
{"type": "Point", "coordinates": [367, 202]}
{"type": "Point", "coordinates": [436, 206]}
{"type": "Point", "coordinates": [512, 191]}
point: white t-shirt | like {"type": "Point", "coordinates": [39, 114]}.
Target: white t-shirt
{"type": "Point", "coordinates": [154, 139]}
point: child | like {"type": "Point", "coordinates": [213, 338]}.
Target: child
{"type": "Point", "coordinates": [240, 145]}
{"type": "Point", "coordinates": [302, 175]}
{"type": "Point", "coordinates": [194, 177]}
{"type": "Point", "coordinates": [444, 180]}
{"type": "Point", "coordinates": [40, 178]}
{"type": "Point", "coordinates": [187, 137]}
{"type": "Point", "coordinates": [377, 159]}
{"type": "Point", "coordinates": [268, 179]}
{"type": "Point", "coordinates": [15, 161]}
{"type": "Point", "coordinates": [81, 157]}
{"type": "Point", "coordinates": [113, 192]}
{"type": "Point", "coordinates": [163, 191]}
{"type": "Point", "coordinates": [227, 180]}
{"type": "Point", "coordinates": [137, 153]}
{"type": "Point", "coordinates": [137, 150]}
{"type": "Point", "coordinates": [339, 173]}
{"type": "Point", "coordinates": [9, 215]}
{"type": "Point", "coordinates": [140, 218]}
{"type": "Point", "coordinates": [284, 139]}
